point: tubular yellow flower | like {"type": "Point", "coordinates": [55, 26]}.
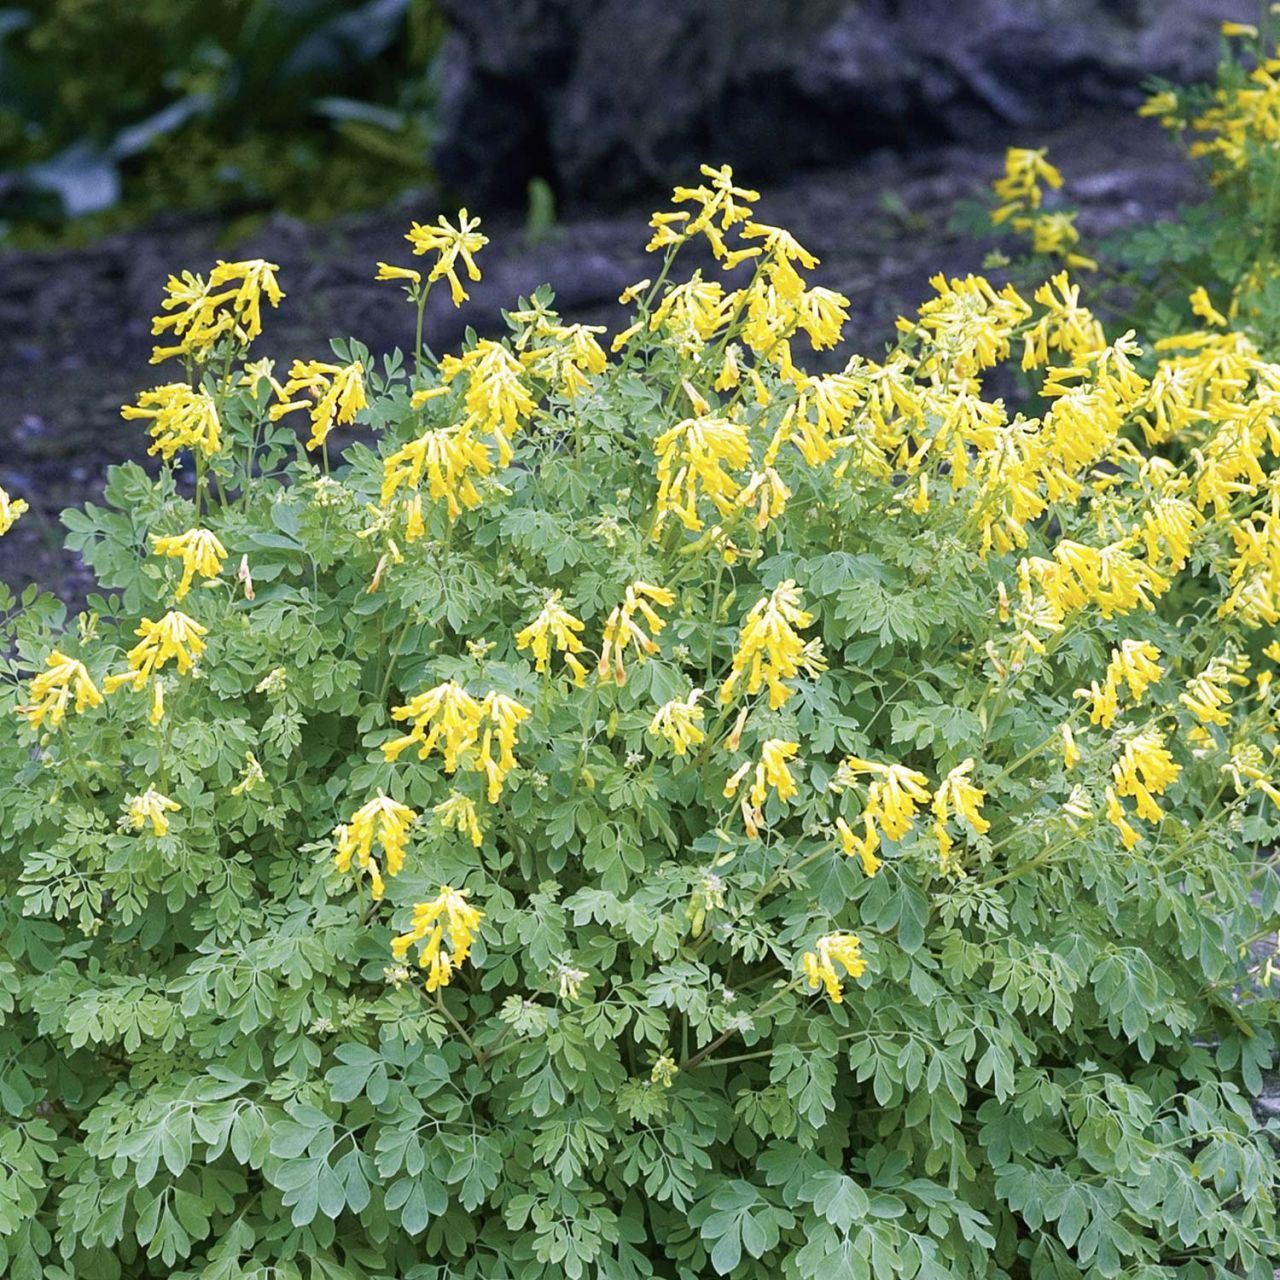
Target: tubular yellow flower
{"type": "Point", "coordinates": [496, 398]}
{"type": "Point", "coordinates": [51, 691]}
{"type": "Point", "coordinates": [1205, 309]}
{"type": "Point", "coordinates": [446, 714]}
{"type": "Point", "coordinates": [450, 457]}
{"type": "Point", "coordinates": [957, 797]}
{"type": "Point", "coordinates": [680, 722]}
{"type": "Point", "coordinates": [554, 625]}
{"type": "Point", "coordinates": [449, 244]}
{"type": "Point", "coordinates": [864, 846]}
{"type": "Point", "coordinates": [200, 551]}
{"type": "Point", "coordinates": [1136, 664]}
{"type": "Point", "coordinates": [1024, 170]}
{"type": "Point", "coordinates": [893, 796]}
{"type": "Point", "coordinates": [382, 819]}
{"type": "Point", "coordinates": [1207, 694]}
{"type": "Point", "coordinates": [622, 631]}
{"type": "Point", "coordinates": [175, 636]}
{"type": "Point", "coordinates": [388, 272]}
{"type": "Point", "coordinates": [692, 457]}
{"type": "Point", "coordinates": [180, 419]}
{"type": "Point", "coordinates": [458, 813]}
{"type": "Point", "coordinates": [10, 510]}
{"type": "Point", "coordinates": [336, 395]}
{"type": "Point", "coordinates": [504, 715]}
{"type": "Point", "coordinates": [1070, 752]}
{"type": "Point", "coordinates": [151, 807]}
{"type": "Point", "coordinates": [769, 647]}
{"type": "Point", "coordinates": [230, 302]}
{"type": "Point", "coordinates": [451, 915]}
{"type": "Point", "coordinates": [1115, 815]}
{"type": "Point", "coordinates": [1143, 771]}
{"type": "Point", "coordinates": [819, 966]}
{"type": "Point", "coordinates": [721, 206]}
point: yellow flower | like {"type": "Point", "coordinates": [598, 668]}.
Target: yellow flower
{"type": "Point", "coordinates": [251, 775]}
{"type": "Point", "coordinates": [386, 820]}
{"type": "Point", "coordinates": [1070, 752]}
{"type": "Point", "coordinates": [844, 949]}
{"type": "Point", "coordinates": [446, 714]}
{"type": "Point", "coordinates": [388, 272]}
{"type": "Point", "coordinates": [201, 312]}
{"type": "Point", "coordinates": [336, 395]}
{"type": "Point", "coordinates": [864, 846]}
{"type": "Point", "coordinates": [958, 797]}
{"type": "Point", "coordinates": [893, 796]}
{"type": "Point", "coordinates": [692, 457]}
{"type": "Point", "coordinates": [449, 914]}
{"type": "Point", "coordinates": [151, 807]}
{"type": "Point", "coordinates": [458, 813]}
{"type": "Point", "coordinates": [180, 419]}
{"type": "Point", "coordinates": [769, 647]}
{"type": "Point", "coordinates": [1205, 309]}
{"type": "Point", "coordinates": [1024, 170]}
{"type": "Point", "coordinates": [554, 625]}
{"type": "Point", "coordinates": [622, 631]}
{"type": "Point", "coordinates": [51, 690]}
{"type": "Point", "coordinates": [201, 553]}
{"type": "Point", "coordinates": [1143, 771]}
{"type": "Point", "coordinates": [1135, 664]}
{"type": "Point", "coordinates": [664, 1071]}
{"type": "Point", "coordinates": [157, 701]}
{"type": "Point", "coordinates": [450, 457]}
{"type": "Point", "coordinates": [770, 772]}
{"type": "Point", "coordinates": [496, 398]}
{"type": "Point", "coordinates": [680, 722]}
{"type": "Point", "coordinates": [1115, 815]}
{"type": "Point", "coordinates": [175, 636]}
{"type": "Point", "coordinates": [504, 715]}
{"type": "Point", "coordinates": [1207, 694]}
{"type": "Point", "coordinates": [721, 206]}
{"type": "Point", "coordinates": [449, 244]}
{"type": "Point", "coordinates": [10, 510]}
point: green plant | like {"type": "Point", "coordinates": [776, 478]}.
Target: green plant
{"type": "Point", "coordinates": [113, 113]}
{"type": "Point", "coordinates": [827, 810]}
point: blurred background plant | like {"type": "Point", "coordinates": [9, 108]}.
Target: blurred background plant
{"type": "Point", "coordinates": [111, 114]}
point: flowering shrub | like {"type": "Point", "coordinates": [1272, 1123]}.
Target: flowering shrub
{"type": "Point", "coordinates": [645, 809]}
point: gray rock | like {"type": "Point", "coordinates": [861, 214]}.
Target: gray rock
{"type": "Point", "coordinates": [608, 99]}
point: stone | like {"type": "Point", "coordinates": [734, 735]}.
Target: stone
{"type": "Point", "coordinates": [610, 99]}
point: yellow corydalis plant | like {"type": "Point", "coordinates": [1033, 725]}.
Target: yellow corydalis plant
{"type": "Point", "coordinates": [622, 631]}
{"type": "Point", "coordinates": [458, 813]}
{"type": "Point", "coordinates": [150, 807]}
{"type": "Point", "coordinates": [448, 918]}
{"type": "Point", "coordinates": [181, 418]}
{"type": "Point", "coordinates": [958, 799]}
{"type": "Point", "coordinates": [770, 649]}
{"type": "Point", "coordinates": [53, 688]}
{"type": "Point", "coordinates": [10, 510]}
{"type": "Point", "coordinates": [382, 819]}
{"type": "Point", "coordinates": [771, 773]}
{"type": "Point", "coordinates": [450, 458]}
{"type": "Point", "coordinates": [679, 723]}
{"type": "Point", "coordinates": [1208, 694]}
{"type": "Point", "coordinates": [335, 394]}
{"type": "Point", "coordinates": [554, 626]}
{"type": "Point", "coordinates": [692, 457]}
{"type": "Point", "coordinates": [893, 796]}
{"type": "Point", "coordinates": [496, 398]}
{"type": "Point", "coordinates": [832, 949]}
{"type": "Point", "coordinates": [450, 244]}
{"type": "Point", "coordinates": [447, 717]}
{"type": "Point", "coordinates": [199, 312]}
{"type": "Point", "coordinates": [200, 552]}
{"type": "Point", "coordinates": [175, 637]}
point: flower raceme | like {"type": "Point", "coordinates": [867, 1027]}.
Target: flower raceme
{"type": "Point", "coordinates": [622, 631]}
{"type": "Point", "coordinates": [770, 649]}
{"type": "Point", "coordinates": [448, 918]}
{"type": "Point", "coordinates": [335, 394]}
{"type": "Point", "coordinates": [832, 949]}
{"type": "Point", "coordinates": [386, 820]}
{"type": "Point", "coordinates": [150, 807]}
{"type": "Point", "coordinates": [554, 626]}
{"type": "Point", "coordinates": [53, 688]}
{"type": "Point", "coordinates": [679, 723]}
{"type": "Point", "coordinates": [771, 773]}
{"type": "Point", "coordinates": [450, 244]}
{"type": "Point", "coordinates": [200, 552]}
{"type": "Point", "coordinates": [200, 313]}
{"type": "Point", "coordinates": [175, 636]}
{"type": "Point", "coordinates": [10, 510]}
{"type": "Point", "coordinates": [181, 418]}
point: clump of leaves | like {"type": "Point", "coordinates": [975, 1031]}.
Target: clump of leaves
{"type": "Point", "coordinates": [656, 812]}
